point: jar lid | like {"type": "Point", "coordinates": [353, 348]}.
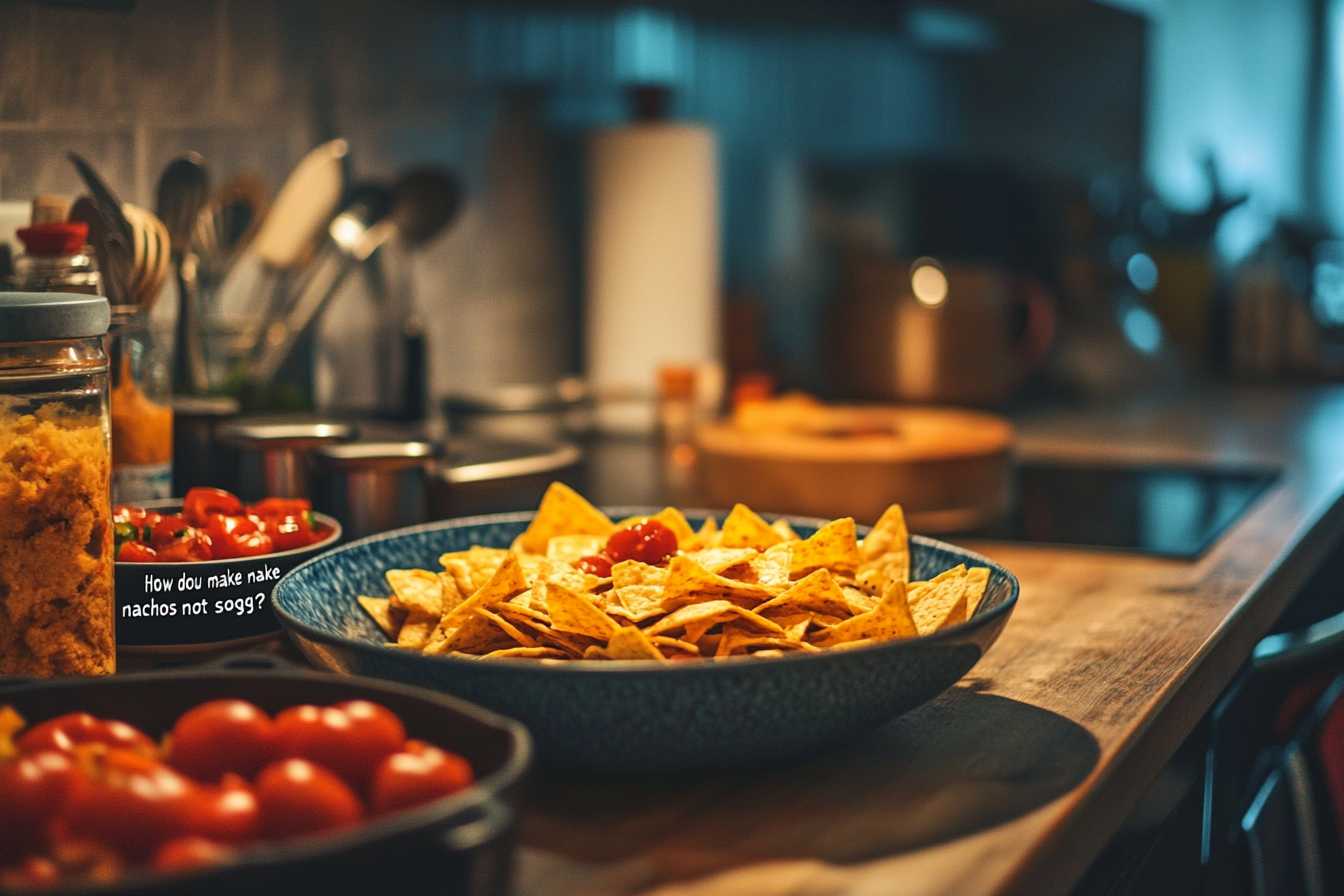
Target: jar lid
{"type": "Point", "coordinates": [43, 316]}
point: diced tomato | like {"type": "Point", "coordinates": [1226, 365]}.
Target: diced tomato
{"type": "Point", "coordinates": [281, 507]}
{"type": "Point", "coordinates": [194, 546]}
{"type": "Point", "coordinates": [201, 502]}
{"type": "Point", "coordinates": [136, 552]}
{"type": "Point", "coordinates": [596, 564]}
{"type": "Point", "coordinates": [289, 532]}
{"type": "Point", "coordinates": [237, 536]}
{"type": "Point", "coordinates": [168, 529]}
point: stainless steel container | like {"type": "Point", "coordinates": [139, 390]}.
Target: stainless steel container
{"type": "Point", "coordinates": [197, 458]}
{"type": "Point", "coordinates": [372, 487]}
{"type": "Point", "coordinates": [273, 453]}
{"type": "Point", "coordinates": [481, 476]}
{"type": "Point", "coordinates": [522, 412]}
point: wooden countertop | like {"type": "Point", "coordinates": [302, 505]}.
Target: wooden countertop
{"type": "Point", "coordinates": [1013, 780]}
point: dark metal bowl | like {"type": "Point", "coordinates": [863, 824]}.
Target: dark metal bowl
{"type": "Point", "coordinates": [459, 844]}
{"type": "Point", "coordinates": [206, 605]}
{"type": "Point", "coordinates": [634, 716]}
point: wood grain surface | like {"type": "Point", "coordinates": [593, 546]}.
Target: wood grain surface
{"type": "Point", "coordinates": [1012, 781]}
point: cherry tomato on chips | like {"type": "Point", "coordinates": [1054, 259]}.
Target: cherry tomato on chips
{"type": "Point", "coordinates": [648, 542]}
{"type": "Point", "coordinates": [183, 853]}
{"type": "Point", "coordinates": [596, 564]}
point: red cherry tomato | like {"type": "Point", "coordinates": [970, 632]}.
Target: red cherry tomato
{"type": "Point", "coordinates": [136, 552]}
{"type": "Point", "coordinates": [376, 733]}
{"type": "Point", "coordinates": [229, 813]}
{"type": "Point", "coordinates": [64, 732]}
{"type": "Point", "coordinates": [33, 788]}
{"type": "Point", "coordinates": [597, 564]}
{"type": "Point", "coordinates": [183, 853]}
{"type": "Point", "coordinates": [417, 775]}
{"type": "Point", "coordinates": [201, 502]}
{"type": "Point", "coordinates": [222, 736]}
{"type": "Point", "coordinates": [647, 542]}
{"type": "Point", "coordinates": [131, 804]}
{"type": "Point", "coordinates": [329, 737]}
{"type": "Point", "coordinates": [297, 797]}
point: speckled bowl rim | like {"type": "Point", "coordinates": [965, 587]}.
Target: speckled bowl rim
{"type": "Point", "coordinates": [639, 667]}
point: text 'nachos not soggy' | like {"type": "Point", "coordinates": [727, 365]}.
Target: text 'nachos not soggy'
{"type": "Point", "coordinates": [576, 586]}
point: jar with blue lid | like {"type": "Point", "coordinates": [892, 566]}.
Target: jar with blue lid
{"type": "Point", "coordinates": [56, 539]}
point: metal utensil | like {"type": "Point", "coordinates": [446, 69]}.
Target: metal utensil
{"type": "Point", "coordinates": [106, 200]}
{"type": "Point", "coordinates": [293, 227]}
{"type": "Point", "coordinates": [227, 225]}
{"type": "Point", "coordinates": [355, 234]}
{"type": "Point", "coordinates": [116, 259]}
{"type": "Point", "coordinates": [182, 192]}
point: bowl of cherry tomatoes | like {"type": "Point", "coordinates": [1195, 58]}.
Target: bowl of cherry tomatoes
{"type": "Point", "coordinates": [256, 780]}
{"type": "Point", "coordinates": [196, 574]}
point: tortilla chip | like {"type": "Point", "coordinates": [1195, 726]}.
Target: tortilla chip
{"type": "Point", "coordinates": [472, 568]}
{"type": "Point", "coordinates": [889, 620]}
{"type": "Point", "coordinates": [476, 634]}
{"type": "Point", "coordinates": [785, 530]}
{"type": "Point", "coordinates": [885, 552]}
{"type": "Point", "coordinates": [977, 580]}
{"type": "Point", "coordinates": [629, 643]}
{"type": "Point", "coordinates": [708, 532]}
{"type": "Point", "coordinates": [675, 644]}
{"type": "Point", "coordinates": [568, 548]}
{"type": "Point", "coordinates": [796, 631]}
{"type": "Point", "coordinates": [563, 511]}
{"type": "Point", "coordinates": [701, 616]}
{"type": "Point", "coordinates": [416, 589]}
{"type": "Point", "coordinates": [380, 608]}
{"type": "Point", "coordinates": [507, 581]}
{"type": "Point", "coordinates": [834, 546]}
{"type": "Point", "coordinates": [941, 602]}
{"type": "Point", "coordinates": [575, 613]}
{"type": "Point", "coordinates": [716, 560]}
{"type": "Point", "coordinates": [417, 629]}
{"type": "Point", "coordinates": [688, 582]}
{"type": "Point", "coordinates": [768, 654]}
{"type": "Point", "coordinates": [859, 601]}
{"type": "Point", "coordinates": [525, 653]}
{"type": "Point", "coordinates": [745, 529]}
{"type": "Point", "coordinates": [508, 628]}
{"type": "Point", "coordinates": [451, 594]}
{"type": "Point", "coordinates": [771, 568]}
{"type": "Point", "coordinates": [638, 590]}
{"type": "Point", "coordinates": [816, 592]}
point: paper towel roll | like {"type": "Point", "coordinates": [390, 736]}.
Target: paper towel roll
{"type": "Point", "coordinates": [653, 254]}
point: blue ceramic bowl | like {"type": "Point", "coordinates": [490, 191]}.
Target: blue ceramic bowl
{"type": "Point", "coordinates": [635, 716]}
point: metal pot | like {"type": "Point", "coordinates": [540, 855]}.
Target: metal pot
{"type": "Point", "coordinates": [950, 332]}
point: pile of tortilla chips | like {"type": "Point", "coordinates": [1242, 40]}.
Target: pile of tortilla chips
{"type": "Point", "coordinates": [751, 588]}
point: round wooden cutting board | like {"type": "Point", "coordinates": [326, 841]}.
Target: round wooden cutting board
{"type": "Point", "coordinates": [950, 469]}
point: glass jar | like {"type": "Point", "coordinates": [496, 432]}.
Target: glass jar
{"type": "Point", "coordinates": [142, 415]}
{"type": "Point", "coordinates": [55, 259]}
{"type": "Point", "coordinates": [56, 541]}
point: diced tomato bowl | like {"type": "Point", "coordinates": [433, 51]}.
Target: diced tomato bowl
{"type": "Point", "coordinates": [197, 574]}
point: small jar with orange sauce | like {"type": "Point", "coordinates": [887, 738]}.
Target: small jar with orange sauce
{"type": "Point", "coordinates": [142, 416]}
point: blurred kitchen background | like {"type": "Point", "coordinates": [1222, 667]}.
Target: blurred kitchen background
{"type": "Point", "coordinates": [1135, 194]}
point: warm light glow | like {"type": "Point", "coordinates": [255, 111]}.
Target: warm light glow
{"type": "Point", "coordinates": [929, 284]}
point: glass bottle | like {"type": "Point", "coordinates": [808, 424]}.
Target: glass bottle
{"type": "Point", "coordinates": [56, 560]}
{"type": "Point", "coordinates": [142, 416]}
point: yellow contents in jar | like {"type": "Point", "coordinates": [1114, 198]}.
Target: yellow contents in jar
{"type": "Point", "coordinates": [56, 609]}
{"type": "Point", "coordinates": [142, 431]}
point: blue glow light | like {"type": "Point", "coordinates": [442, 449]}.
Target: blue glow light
{"type": "Point", "coordinates": [1142, 272]}
{"type": "Point", "coordinates": [1142, 329]}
